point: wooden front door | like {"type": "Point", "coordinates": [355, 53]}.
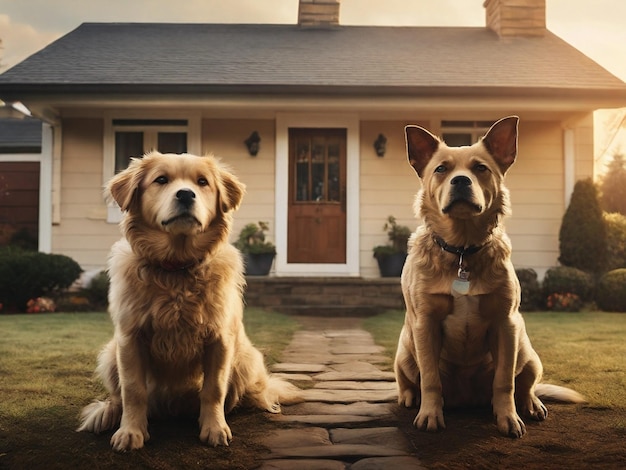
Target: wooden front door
{"type": "Point", "coordinates": [316, 230]}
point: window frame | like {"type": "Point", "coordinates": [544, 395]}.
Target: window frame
{"type": "Point", "coordinates": [475, 129]}
{"type": "Point", "coordinates": [151, 132]}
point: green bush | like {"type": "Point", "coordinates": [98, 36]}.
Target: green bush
{"type": "Point", "coordinates": [566, 280]}
{"type": "Point", "coordinates": [582, 237]}
{"type": "Point", "coordinates": [98, 290]}
{"type": "Point", "coordinates": [25, 275]}
{"type": "Point", "coordinates": [611, 291]}
{"type": "Point", "coordinates": [532, 295]}
{"type": "Point", "coordinates": [616, 240]}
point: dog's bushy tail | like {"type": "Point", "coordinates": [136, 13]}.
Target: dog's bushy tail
{"type": "Point", "coordinates": [100, 416]}
{"type": "Point", "coordinates": [559, 394]}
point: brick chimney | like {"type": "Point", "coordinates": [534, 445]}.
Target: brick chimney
{"type": "Point", "coordinates": [521, 18]}
{"type": "Point", "coordinates": [318, 13]}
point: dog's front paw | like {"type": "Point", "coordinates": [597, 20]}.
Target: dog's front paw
{"type": "Point", "coordinates": [534, 408]}
{"type": "Point", "coordinates": [406, 397]}
{"type": "Point", "coordinates": [430, 419]}
{"type": "Point", "coordinates": [215, 434]}
{"type": "Point", "coordinates": [510, 425]}
{"type": "Point", "coordinates": [129, 438]}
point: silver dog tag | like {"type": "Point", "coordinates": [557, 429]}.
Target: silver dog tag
{"type": "Point", "coordinates": [461, 285]}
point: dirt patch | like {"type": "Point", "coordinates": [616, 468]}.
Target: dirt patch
{"type": "Point", "coordinates": [573, 437]}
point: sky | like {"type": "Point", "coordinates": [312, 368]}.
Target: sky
{"type": "Point", "coordinates": [595, 27]}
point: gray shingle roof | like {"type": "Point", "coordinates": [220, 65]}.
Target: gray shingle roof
{"type": "Point", "coordinates": [149, 56]}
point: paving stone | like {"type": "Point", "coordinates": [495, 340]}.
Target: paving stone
{"type": "Point", "coordinates": [298, 367]}
{"type": "Point", "coordinates": [296, 437]}
{"type": "Point", "coordinates": [303, 464]}
{"type": "Point", "coordinates": [387, 463]}
{"type": "Point", "coordinates": [348, 396]}
{"type": "Point", "coordinates": [311, 358]}
{"type": "Point", "coordinates": [386, 436]}
{"type": "Point", "coordinates": [347, 333]}
{"type": "Point", "coordinates": [356, 366]}
{"type": "Point", "coordinates": [293, 377]}
{"type": "Point", "coordinates": [354, 385]}
{"type": "Point", "coordinates": [322, 420]}
{"type": "Point", "coordinates": [359, 408]}
{"type": "Point", "coordinates": [371, 358]}
{"type": "Point", "coordinates": [356, 349]}
{"type": "Point", "coordinates": [362, 376]}
{"type": "Point", "coordinates": [349, 451]}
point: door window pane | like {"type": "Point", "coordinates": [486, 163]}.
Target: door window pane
{"type": "Point", "coordinates": [302, 170]}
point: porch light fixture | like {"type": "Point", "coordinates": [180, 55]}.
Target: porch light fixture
{"type": "Point", "coordinates": [380, 145]}
{"type": "Point", "coordinates": [253, 143]}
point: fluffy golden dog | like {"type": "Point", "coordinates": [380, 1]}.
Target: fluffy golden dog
{"type": "Point", "coordinates": [176, 304]}
{"type": "Point", "coordinates": [464, 341]}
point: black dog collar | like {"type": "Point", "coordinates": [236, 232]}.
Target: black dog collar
{"type": "Point", "coordinates": [456, 250]}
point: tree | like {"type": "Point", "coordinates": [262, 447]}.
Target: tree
{"type": "Point", "coordinates": [613, 185]}
{"type": "Point", "coordinates": [582, 238]}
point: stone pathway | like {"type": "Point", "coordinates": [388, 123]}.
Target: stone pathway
{"type": "Point", "coordinates": [346, 421]}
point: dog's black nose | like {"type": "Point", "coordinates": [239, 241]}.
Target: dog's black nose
{"type": "Point", "coordinates": [461, 181]}
{"type": "Point", "coordinates": [185, 197]}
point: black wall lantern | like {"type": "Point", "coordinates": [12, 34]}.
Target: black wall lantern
{"type": "Point", "coordinates": [380, 145]}
{"type": "Point", "coordinates": [253, 143]}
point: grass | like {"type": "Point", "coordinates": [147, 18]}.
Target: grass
{"type": "Point", "coordinates": [46, 377]}
{"type": "Point", "coordinates": [585, 351]}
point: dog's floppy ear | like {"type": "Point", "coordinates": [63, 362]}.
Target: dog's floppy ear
{"type": "Point", "coordinates": [123, 186]}
{"type": "Point", "coordinates": [501, 142]}
{"type": "Point", "coordinates": [231, 191]}
{"type": "Point", "coordinates": [420, 147]}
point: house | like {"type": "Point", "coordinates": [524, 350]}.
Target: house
{"type": "Point", "coordinates": [318, 95]}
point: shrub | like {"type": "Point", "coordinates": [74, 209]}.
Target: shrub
{"type": "Point", "coordinates": [564, 302]}
{"type": "Point", "coordinates": [98, 290]}
{"type": "Point", "coordinates": [611, 292]}
{"type": "Point", "coordinates": [616, 241]}
{"type": "Point", "coordinates": [566, 280]}
{"type": "Point", "coordinates": [582, 238]}
{"type": "Point", "coordinates": [532, 295]}
{"type": "Point", "coordinates": [26, 275]}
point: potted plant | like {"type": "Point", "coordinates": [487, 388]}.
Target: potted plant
{"type": "Point", "coordinates": [391, 257]}
{"type": "Point", "coordinates": [258, 254]}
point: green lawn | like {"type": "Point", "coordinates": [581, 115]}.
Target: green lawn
{"type": "Point", "coordinates": [585, 351]}
{"type": "Point", "coordinates": [48, 359]}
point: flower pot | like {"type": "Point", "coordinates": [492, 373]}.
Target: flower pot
{"type": "Point", "coordinates": [258, 264]}
{"type": "Point", "coordinates": [391, 265]}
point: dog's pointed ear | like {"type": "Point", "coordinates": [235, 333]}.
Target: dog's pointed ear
{"type": "Point", "coordinates": [123, 187]}
{"type": "Point", "coordinates": [231, 191]}
{"type": "Point", "coordinates": [420, 147]}
{"type": "Point", "coordinates": [501, 142]}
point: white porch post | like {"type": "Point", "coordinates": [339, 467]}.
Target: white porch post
{"type": "Point", "coordinates": [569, 164]}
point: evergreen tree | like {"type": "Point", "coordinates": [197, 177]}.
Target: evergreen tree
{"type": "Point", "coordinates": [613, 186]}
{"type": "Point", "coordinates": [582, 238]}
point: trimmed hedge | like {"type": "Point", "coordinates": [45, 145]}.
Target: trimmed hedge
{"type": "Point", "coordinates": [532, 294]}
{"type": "Point", "coordinates": [566, 280]}
{"type": "Point", "coordinates": [582, 237]}
{"type": "Point", "coordinates": [26, 275]}
{"type": "Point", "coordinates": [611, 291]}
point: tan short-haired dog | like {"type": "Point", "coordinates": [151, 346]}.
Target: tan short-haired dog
{"type": "Point", "coordinates": [464, 341]}
{"type": "Point", "coordinates": [176, 304]}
